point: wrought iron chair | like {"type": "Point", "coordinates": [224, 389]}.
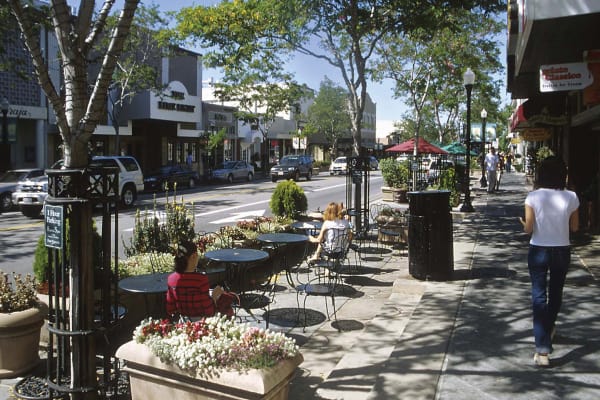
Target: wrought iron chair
{"type": "Point", "coordinates": [324, 275]}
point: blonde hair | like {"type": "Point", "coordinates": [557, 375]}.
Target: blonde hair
{"type": "Point", "coordinates": [333, 212]}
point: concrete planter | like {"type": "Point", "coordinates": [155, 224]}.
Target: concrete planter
{"type": "Point", "coordinates": [151, 379]}
{"type": "Point", "coordinates": [20, 340]}
{"type": "Point", "coordinates": [394, 194]}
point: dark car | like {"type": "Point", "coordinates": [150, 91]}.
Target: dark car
{"type": "Point", "coordinates": [9, 181]}
{"type": "Point", "coordinates": [169, 175]}
{"type": "Point", "coordinates": [293, 167]}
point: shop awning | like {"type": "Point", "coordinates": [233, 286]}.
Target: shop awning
{"type": "Point", "coordinates": [540, 111]}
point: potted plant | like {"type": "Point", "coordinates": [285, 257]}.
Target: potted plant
{"type": "Point", "coordinates": [212, 358]}
{"type": "Point", "coordinates": [21, 320]}
{"type": "Point", "coordinates": [395, 177]}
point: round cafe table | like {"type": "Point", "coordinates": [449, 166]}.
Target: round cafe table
{"type": "Point", "coordinates": [236, 261]}
{"type": "Point", "coordinates": [147, 285]}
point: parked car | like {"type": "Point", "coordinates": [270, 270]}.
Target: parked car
{"type": "Point", "coordinates": [232, 170]}
{"type": "Point", "coordinates": [435, 168]}
{"type": "Point", "coordinates": [9, 181]}
{"type": "Point", "coordinates": [170, 175]}
{"type": "Point", "coordinates": [131, 178]}
{"type": "Point", "coordinates": [339, 166]}
{"type": "Point", "coordinates": [293, 167]}
{"type": "Point", "coordinates": [30, 195]}
{"type": "Point", "coordinates": [373, 163]}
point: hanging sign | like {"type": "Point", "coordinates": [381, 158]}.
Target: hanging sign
{"type": "Point", "coordinates": [535, 134]}
{"type": "Point", "coordinates": [55, 223]}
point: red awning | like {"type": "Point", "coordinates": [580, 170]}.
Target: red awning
{"type": "Point", "coordinates": [409, 146]}
{"type": "Point", "coordinates": [518, 120]}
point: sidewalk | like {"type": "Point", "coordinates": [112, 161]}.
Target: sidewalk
{"type": "Point", "coordinates": [466, 338]}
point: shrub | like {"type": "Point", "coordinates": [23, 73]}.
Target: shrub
{"type": "Point", "coordinates": [40, 259]}
{"type": "Point", "coordinates": [150, 234]}
{"type": "Point", "coordinates": [20, 297]}
{"type": "Point", "coordinates": [449, 181]}
{"type": "Point", "coordinates": [147, 263]}
{"type": "Point", "coordinates": [288, 200]}
{"type": "Point", "coordinates": [395, 174]}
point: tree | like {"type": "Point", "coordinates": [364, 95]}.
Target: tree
{"type": "Point", "coordinates": [78, 107]}
{"type": "Point", "coordinates": [138, 68]}
{"type": "Point", "coordinates": [329, 115]}
{"type": "Point", "coordinates": [427, 69]}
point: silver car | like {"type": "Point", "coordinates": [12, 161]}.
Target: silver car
{"type": "Point", "coordinates": [30, 196]}
{"type": "Point", "coordinates": [233, 170]}
{"type": "Point", "coordinates": [9, 181]}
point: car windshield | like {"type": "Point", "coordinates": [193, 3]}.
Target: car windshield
{"type": "Point", "coordinates": [13, 176]}
{"type": "Point", "coordinates": [289, 161]}
{"type": "Point", "coordinates": [340, 160]}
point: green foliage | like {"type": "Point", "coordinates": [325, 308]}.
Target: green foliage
{"type": "Point", "coordinates": [543, 152]}
{"type": "Point", "coordinates": [395, 174]}
{"type": "Point", "coordinates": [150, 234]}
{"type": "Point", "coordinates": [20, 297]}
{"type": "Point", "coordinates": [288, 199]}
{"type": "Point", "coordinates": [448, 180]}
{"type": "Point", "coordinates": [40, 259]}
{"type": "Point", "coordinates": [147, 263]}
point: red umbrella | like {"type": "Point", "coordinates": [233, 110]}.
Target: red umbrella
{"type": "Point", "coordinates": [409, 146]}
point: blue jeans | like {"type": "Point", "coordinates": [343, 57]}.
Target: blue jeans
{"type": "Point", "coordinates": [546, 294]}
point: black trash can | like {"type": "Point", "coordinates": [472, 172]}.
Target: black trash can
{"type": "Point", "coordinates": [430, 241]}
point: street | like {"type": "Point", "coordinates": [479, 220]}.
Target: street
{"type": "Point", "coordinates": [214, 205]}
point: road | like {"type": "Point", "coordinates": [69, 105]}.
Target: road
{"type": "Point", "coordinates": [213, 205]}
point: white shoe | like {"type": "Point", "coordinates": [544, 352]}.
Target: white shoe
{"type": "Point", "coordinates": [541, 360]}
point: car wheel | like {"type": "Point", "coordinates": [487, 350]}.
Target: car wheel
{"type": "Point", "coordinates": [230, 178]}
{"type": "Point", "coordinates": [273, 179]}
{"type": "Point", "coordinates": [192, 183]}
{"type": "Point", "coordinates": [31, 211]}
{"type": "Point", "coordinates": [250, 176]}
{"type": "Point", "coordinates": [297, 176]}
{"type": "Point", "coordinates": [128, 196]}
{"type": "Point", "coordinates": [309, 175]}
{"type": "Point", "coordinates": [6, 202]}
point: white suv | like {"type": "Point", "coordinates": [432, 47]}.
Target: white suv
{"type": "Point", "coordinates": [131, 178]}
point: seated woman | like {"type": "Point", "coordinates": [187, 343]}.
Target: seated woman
{"type": "Point", "coordinates": [188, 292]}
{"type": "Point", "coordinates": [333, 223]}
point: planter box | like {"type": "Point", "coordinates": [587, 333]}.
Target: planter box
{"type": "Point", "coordinates": [393, 194]}
{"type": "Point", "coordinates": [151, 379]}
{"type": "Point", "coordinates": [20, 340]}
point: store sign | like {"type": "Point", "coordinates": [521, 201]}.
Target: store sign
{"type": "Point", "coordinates": [535, 134]}
{"type": "Point", "coordinates": [299, 143]}
{"type": "Point", "coordinates": [562, 77]}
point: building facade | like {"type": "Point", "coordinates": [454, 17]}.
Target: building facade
{"type": "Point", "coordinates": [553, 65]}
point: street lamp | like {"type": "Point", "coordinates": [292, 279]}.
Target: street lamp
{"type": "Point", "coordinates": [468, 81]}
{"type": "Point", "coordinates": [483, 178]}
{"type": "Point", "coordinates": [5, 145]}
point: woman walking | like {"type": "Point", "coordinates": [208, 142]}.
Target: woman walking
{"type": "Point", "coordinates": [551, 212]}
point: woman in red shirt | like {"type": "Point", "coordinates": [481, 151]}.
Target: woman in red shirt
{"type": "Point", "coordinates": [188, 292]}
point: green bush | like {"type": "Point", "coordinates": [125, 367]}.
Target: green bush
{"type": "Point", "coordinates": [395, 174]}
{"type": "Point", "coordinates": [449, 181]}
{"type": "Point", "coordinates": [148, 263]}
{"type": "Point", "coordinates": [288, 200]}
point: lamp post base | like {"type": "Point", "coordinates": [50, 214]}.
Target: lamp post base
{"type": "Point", "coordinates": [466, 206]}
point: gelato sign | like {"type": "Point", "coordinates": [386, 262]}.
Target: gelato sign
{"type": "Point", "coordinates": [562, 77]}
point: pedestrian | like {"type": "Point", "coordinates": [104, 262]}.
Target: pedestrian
{"type": "Point", "coordinates": [188, 291]}
{"type": "Point", "coordinates": [551, 211]}
{"type": "Point", "coordinates": [509, 159]}
{"type": "Point", "coordinates": [491, 167]}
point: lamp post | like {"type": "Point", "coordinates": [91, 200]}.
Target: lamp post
{"type": "Point", "coordinates": [5, 154]}
{"type": "Point", "coordinates": [483, 180]}
{"type": "Point", "coordinates": [468, 81]}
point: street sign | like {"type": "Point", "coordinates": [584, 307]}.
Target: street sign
{"type": "Point", "coordinates": [54, 226]}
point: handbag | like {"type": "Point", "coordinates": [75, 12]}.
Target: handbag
{"type": "Point", "coordinates": [225, 303]}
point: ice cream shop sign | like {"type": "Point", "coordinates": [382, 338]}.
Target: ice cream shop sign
{"type": "Point", "coordinates": [561, 77]}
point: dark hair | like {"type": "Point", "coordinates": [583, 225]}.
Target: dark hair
{"type": "Point", "coordinates": [551, 173]}
{"type": "Point", "coordinates": [182, 252]}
